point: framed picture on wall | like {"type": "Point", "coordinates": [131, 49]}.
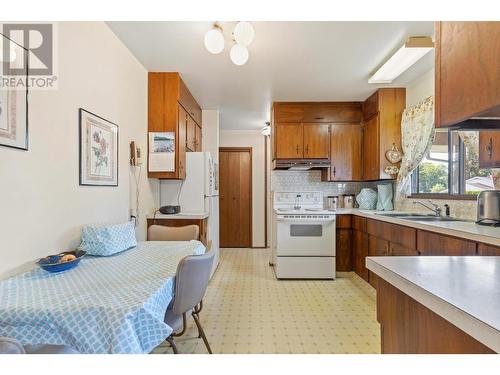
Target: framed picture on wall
{"type": "Point", "coordinates": [98, 150]}
{"type": "Point", "coordinates": [13, 96]}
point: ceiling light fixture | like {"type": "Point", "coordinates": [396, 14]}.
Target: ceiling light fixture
{"type": "Point", "coordinates": [214, 40]}
{"type": "Point", "coordinates": [243, 33]}
{"type": "Point", "coordinates": [413, 50]}
{"type": "Point", "coordinates": [239, 54]}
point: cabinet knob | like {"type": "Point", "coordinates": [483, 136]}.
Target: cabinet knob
{"type": "Point", "coordinates": [307, 149]}
{"type": "Point", "coordinates": [297, 149]}
{"type": "Point", "coordinates": [334, 171]}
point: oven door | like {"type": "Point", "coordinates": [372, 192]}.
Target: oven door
{"type": "Point", "coordinates": [297, 237]}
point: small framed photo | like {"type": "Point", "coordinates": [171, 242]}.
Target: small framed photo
{"type": "Point", "coordinates": [98, 150]}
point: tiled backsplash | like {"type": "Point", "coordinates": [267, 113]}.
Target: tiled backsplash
{"type": "Point", "coordinates": [311, 181]}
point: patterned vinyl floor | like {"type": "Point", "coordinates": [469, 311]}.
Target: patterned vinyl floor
{"type": "Point", "coordinates": [246, 310]}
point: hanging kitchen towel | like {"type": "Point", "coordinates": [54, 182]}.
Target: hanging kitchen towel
{"type": "Point", "coordinates": [384, 197]}
{"type": "Point", "coordinates": [367, 199]}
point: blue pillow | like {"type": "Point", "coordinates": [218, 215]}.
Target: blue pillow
{"type": "Point", "coordinates": [105, 240]}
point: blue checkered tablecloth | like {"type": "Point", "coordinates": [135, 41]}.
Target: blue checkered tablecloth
{"type": "Point", "coordinates": [110, 304]}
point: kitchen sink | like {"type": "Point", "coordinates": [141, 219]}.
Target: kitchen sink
{"type": "Point", "coordinates": [430, 218]}
{"type": "Point", "coordinates": [400, 215]}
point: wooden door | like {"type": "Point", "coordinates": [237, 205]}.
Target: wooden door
{"type": "Point", "coordinates": [370, 149]}
{"type": "Point", "coordinates": [316, 141]}
{"type": "Point", "coordinates": [197, 136]}
{"type": "Point", "coordinates": [489, 149]}
{"type": "Point", "coordinates": [235, 194]}
{"type": "Point", "coordinates": [181, 141]}
{"type": "Point", "coordinates": [345, 152]}
{"type": "Point", "coordinates": [191, 134]}
{"type": "Point", "coordinates": [289, 141]}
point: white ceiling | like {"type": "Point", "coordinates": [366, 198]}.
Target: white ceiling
{"type": "Point", "coordinates": [289, 61]}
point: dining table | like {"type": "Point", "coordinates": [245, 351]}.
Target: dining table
{"type": "Point", "coordinates": [112, 304]}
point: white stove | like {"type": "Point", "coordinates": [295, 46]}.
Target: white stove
{"type": "Point", "coordinates": [303, 236]}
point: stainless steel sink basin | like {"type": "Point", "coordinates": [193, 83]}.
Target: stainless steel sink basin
{"type": "Point", "coordinates": [400, 215]}
{"type": "Point", "coordinates": [430, 218]}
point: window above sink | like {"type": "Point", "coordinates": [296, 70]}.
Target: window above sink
{"type": "Point", "coordinates": [452, 168]}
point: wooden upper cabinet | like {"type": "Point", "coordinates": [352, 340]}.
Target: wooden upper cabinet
{"type": "Point", "coordinates": [345, 153]}
{"type": "Point", "coordinates": [316, 141]}
{"type": "Point", "coordinates": [371, 149]}
{"type": "Point", "coordinates": [325, 112]}
{"type": "Point", "coordinates": [382, 114]}
{"type": "Point", "coordinates": [467, 74]}
{"type": "Point", "coordinates": [191, 134]}
{"type": "Point", "coordinates": [489, 149]}
{"type": "Point", "coordinates": [170, 106]}
{"type": "Point", "coordinates": [189, 103]}
{"type": "Point", "coordinates": [289, 141]}
{"type": "Point", "coordinates": [197, 138]}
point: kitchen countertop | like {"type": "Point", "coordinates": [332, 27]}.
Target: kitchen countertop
{"type": "Point", "coordinates": [463, 290]}
{"type": "Point", "coordinates": [463, 229]}
{"type": "Point", "coordinates": [182, 215]}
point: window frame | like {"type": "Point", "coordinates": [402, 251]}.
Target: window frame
{"type": "Point", "coordinates": [461, 180]}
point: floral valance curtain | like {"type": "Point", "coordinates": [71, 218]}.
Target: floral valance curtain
{"type": "Point", "coordinates": [417, 135]}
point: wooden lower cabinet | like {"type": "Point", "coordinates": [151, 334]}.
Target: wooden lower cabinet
{"type": "Point", "coordinates": [343, 244]}
{"type": "Point", "coordinates": [429, 243]}
{"type": "Point", "coordinates": [408, 327]}
{"type": "Point", "coordinates": [487, 250]}
{"type": "Point", "coordinates": [376, 247]}
{"type": "Point", "coordinates": [202, 224]}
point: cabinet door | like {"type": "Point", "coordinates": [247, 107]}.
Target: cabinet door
{"type": "Point", "coordinates": [289, 141]}
{"type": "Point", "coordinates": [370, 149]}
{"type": "Point", "coordinates": [467, 71]}
{"type": "Point", "coordinates": [489, 149]}
{"type": "Point", "coordinates": [190, 134]}
{"type": "Point", "coordinates": [316, 141]}
{"type": "Point", "coordinates": [398, 250]}
{"type": "Point", "coordinates": [197, 138]}
{"type": "Point", "coordinates": [343, 250]}
{"type": "Point", "coordinates": [376, 247]}
{"type": "Point", "coordinates": [487, 250]}
{"type": "Point", "coordinates": [180, 152]}
{"type": "Point", "coordinates": [345, 152]}
{"type": "Point", "coordinates": [360, 252]}
{"type": "Point", "coordinates": [429, 243]}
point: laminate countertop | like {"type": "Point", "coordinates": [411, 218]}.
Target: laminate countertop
{"type": "Point", "coordinates": [463, 290]}
{"type": "Point", "coordinates": [462, 229]}
{"type": "Point", "coordinates": [183, 215]}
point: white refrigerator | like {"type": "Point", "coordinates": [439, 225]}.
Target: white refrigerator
{"type": "Point", "coordinates": [198, 194]}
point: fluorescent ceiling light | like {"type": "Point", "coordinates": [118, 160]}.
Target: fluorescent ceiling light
{"type": "Point", "coordinates": [413, 50]}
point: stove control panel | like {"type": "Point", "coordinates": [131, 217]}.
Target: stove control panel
{"type": "Point", "coordinates": [308, 198]}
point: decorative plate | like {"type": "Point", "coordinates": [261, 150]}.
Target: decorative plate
{"type": "Point", "coordinates": [391, 170]}
{"type": "Point", "coordinates": [51, 263]}
{"type": "Point", "coordinates": [394, 155]}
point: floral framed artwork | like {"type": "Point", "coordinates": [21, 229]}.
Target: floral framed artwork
{"type": "Point", "coordinates": [98, 150]}
{"type": "Point", "coordinates": [14, 100]}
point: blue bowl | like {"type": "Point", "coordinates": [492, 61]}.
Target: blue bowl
{"type": "Point", "coordinates": [50, 262]}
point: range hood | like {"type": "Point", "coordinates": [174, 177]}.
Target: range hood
{"type": "Point", "coordinates": [301, 164]}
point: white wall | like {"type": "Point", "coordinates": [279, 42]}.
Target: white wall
{"type": "Point", "coordinates": [252, 138]}
{"type": "Point", "coordinates": [420, 89]}
{"type": "Point", "coordinates": [210, 136]}
{"type": "Point", "coordinates": [42, 205]}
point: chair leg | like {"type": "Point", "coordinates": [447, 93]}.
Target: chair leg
{"type": "Point", "coordinates": [171, 341]}
{"type": "Point", "coordinates": [201, 332]}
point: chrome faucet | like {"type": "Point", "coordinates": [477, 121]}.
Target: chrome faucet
{"type": "Point", "coordinates": [435, 208]}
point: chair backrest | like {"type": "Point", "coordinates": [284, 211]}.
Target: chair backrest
{"type": "Point", "coordinates": [10, 346]}
{"type": "Point", "coordinates": [162, 233]}
{"type": "Point", "coordinates": [191, 281]}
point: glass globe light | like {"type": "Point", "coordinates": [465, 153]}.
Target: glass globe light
{"type": "Point", "coordinates": [239, 54]}
{"type": "Point", "coordinates": [244, 33]}
{"type": "Point", "coordinates": [214, 41]}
